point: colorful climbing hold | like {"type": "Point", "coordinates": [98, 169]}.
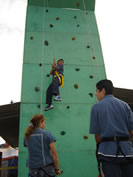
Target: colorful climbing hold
{"type": "Point", "coordinates": [68, 107]}
{"type": "Point", "coordinates": [77, 69]}
{"type": "Point", "coordinates": [88, 46]}
{"type": "Point", "coordinates": [76, 86]}
{"type": "Point", "coordinates": [46, 43]}
{"type": "Point", "coordinates": [91, 77]}
{"type": "Point", "coordinates": [39, 106]}
{"type": "Point", "coordinates": [48, 75]}
{"type": "Point", "coordinates": [63, 133]}
{"type": "Point", "coordinates": [57, 18]}
{"type": "Point", "coordinates": [51, 26]}
{"type": "Point", "coordinates": [73, 38]}
{"type": "Point", "coordinates": [37, 89]}
{"type": "Point", "coordinates": [78, 4]}
{"type": "Point", "coordinates": [91, 94]}
{"type": "Point", "coordinates": [85, 137]}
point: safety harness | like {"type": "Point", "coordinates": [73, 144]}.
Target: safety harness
{"type": "Point", "coordinates": [116, 139]}
{"type": "Point", "coordinates": [61, 78]}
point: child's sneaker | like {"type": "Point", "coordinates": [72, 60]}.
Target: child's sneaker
{"type": "Point", "coordinates": [48, 107]}
{"type": "Point", "coordinates": [57, 98]}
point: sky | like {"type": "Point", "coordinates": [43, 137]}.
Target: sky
{"type": "Point", "coordinates": [115, 24]}
{"type": "Point", "coordinates": [12, 26]}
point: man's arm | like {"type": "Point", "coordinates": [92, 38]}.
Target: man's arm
{"type": "Point", "coordinates": [51, 72]}
{"type": "Point", "coordinates": [131, 133]}
{"type": "Point", "coordinates": [94, 125]}
{"type": "Point", "coordinates": [53, 67]}
{"type": "Point", "coordinates": [97, 138]}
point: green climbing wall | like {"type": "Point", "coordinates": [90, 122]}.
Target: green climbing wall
{"type": "Point", "coordinates": [70, 30]}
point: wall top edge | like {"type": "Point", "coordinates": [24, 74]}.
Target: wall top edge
{"type": "Point", "coordinates": [88, 5]}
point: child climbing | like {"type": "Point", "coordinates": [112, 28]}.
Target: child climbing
{"type": "Point", "coordinates": [58, 80]}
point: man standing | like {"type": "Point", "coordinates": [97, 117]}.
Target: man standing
{"type": "Point", "coordinates": [112, 123]}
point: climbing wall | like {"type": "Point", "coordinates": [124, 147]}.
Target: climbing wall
{"type": "Point", "coordinates": [62, 29]}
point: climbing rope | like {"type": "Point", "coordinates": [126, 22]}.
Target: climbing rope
{"type": "Point", "coordinates": [41, 98]}
{"type": "Point", "coordinates": [46, 43]}
{"type": "Point", "coordinates": [51, 33]}
{"type": "Point", "coordinates": [46, 4]}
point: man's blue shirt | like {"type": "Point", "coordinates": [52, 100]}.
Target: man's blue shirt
{"type": "Point", "coordinates": [39, 153]}
{"type": "Point", "coordinates": [112, 117]}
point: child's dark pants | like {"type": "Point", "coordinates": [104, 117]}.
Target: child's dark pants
{"type": "Point", "coordinates": [53, 89]}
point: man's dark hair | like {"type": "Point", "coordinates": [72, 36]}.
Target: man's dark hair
{"type": "Point", "coordinates": [60, 60]}
{"type": "Point", "coordinates": [106, 84]}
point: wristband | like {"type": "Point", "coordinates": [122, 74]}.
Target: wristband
{"type": "Point", "coordinates": [57, 169]}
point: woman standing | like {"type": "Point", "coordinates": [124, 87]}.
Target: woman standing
{"type": "Point", "coordinates": [42, 155]}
